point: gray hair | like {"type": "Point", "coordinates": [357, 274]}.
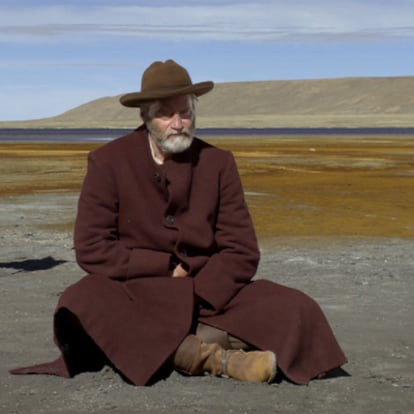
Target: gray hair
{"type": "Point", "coordinates": [150, 108]}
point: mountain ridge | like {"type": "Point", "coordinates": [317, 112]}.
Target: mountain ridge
{"type": "Point", "coordinates": [336, 102]}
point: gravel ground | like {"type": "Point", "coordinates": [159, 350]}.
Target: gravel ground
{"type": "Point", "coordinates": [365, 287]}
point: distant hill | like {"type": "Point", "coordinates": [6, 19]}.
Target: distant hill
{"type": "Point", "coordinates": [343, 102]}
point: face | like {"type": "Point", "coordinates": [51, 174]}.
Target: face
{"type": "Point", "coordinates": [171, 124]}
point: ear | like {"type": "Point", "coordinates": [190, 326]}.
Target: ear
{"type": "Point", "coordinates": [144, 115]}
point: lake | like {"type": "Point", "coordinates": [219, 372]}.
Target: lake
{"type": "Point", "coordinates": [103, 135]}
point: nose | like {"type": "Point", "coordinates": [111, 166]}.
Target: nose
{"type": "Point", "coordinates": [177, 121]}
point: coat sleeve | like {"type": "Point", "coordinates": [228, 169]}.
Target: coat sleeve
{"type": "Point", "coordinates": [237, 255]}
{"type": "Point", "coordinates": [97, 245]}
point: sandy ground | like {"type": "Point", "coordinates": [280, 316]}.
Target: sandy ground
{"type": "Point", "coordinates": [296, 188]}
{"type": "Point", "coordinates": [365, 286]}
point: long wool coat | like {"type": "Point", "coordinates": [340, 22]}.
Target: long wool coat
{"type": "Point", "coordinates": [135, 220]}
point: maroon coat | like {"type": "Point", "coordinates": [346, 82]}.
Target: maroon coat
{"type": "Point", "coordinates": [135, 220]}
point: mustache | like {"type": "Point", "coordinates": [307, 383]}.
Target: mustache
{"type": "Point", "coordinates": [186, 133]}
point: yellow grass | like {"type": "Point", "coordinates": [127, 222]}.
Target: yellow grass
{"type": "Point", "coordinates": [295, 186]}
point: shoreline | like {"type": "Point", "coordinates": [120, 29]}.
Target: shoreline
{"type": "Point", "coordinates": [91, 135]}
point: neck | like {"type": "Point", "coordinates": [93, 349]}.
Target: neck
{"type": "Point", "coordinates": [158, 156]}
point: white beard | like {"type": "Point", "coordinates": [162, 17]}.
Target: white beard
{"type": "Point", "coordinates": [174, 145]}
{"type": "Point", "coordinates": [168, 143]}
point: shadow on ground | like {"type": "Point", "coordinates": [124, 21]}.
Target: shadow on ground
{"type": "Point", "coordinates": [31, 265]}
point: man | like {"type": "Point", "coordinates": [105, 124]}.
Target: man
{"type": "Point", "coordinates": [164, 233]}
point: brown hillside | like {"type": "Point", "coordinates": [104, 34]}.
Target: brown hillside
{"type": "Point", "coordinates": [301, 103]}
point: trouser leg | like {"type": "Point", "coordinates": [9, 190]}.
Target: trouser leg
{"type": "Point", "coordinates": [210, 334]}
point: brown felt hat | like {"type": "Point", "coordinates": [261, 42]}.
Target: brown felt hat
{"type": "Point", "coordinates": [164, 80]}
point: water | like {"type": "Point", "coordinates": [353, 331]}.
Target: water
{"type": "Point", "coordinates": [103, 135]}
{"type": "Point", "coordinates": [60, 135]}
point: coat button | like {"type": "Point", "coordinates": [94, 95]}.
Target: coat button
{"type": "Point", "coordinates": [157, 177]}
{"type": "Point", "coordinates": [183, 252]}
{"type": "Point", "coordinates": [170, 219]}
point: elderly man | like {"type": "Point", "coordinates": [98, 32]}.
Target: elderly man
{"type": "Point", "coordinates": [166, 239]}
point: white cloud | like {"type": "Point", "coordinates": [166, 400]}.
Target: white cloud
{"type": "Point", "coordinates": [259, 20]}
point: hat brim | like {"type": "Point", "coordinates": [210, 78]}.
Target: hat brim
{"type": "Point", "coordinates": [135, 99]}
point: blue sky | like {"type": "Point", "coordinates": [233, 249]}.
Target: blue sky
{"type": "Point", "coordinates": [55, 55]}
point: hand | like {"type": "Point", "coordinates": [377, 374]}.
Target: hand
{"type": "Point", "coordinates": [179, 271]}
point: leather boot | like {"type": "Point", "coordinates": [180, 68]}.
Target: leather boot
{"type": "Point", "coordinates": [195, 357]}
{"type": "Point", "coordinates": [254, 366]}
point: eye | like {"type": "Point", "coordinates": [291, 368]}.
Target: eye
{"type": "Point", "coordinates": [186, 113]}
{"type": "Point", "coordinates": [164, 114]}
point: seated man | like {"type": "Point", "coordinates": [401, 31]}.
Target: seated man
{"type": "Point", "coordinates": [165, 236]}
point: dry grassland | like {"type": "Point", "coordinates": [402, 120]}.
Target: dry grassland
{"type": "Point", "coordinates": [295, 186]}
{"type": "Point", "coordinates": [41, 167]}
